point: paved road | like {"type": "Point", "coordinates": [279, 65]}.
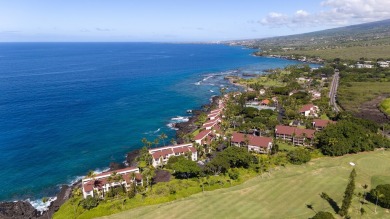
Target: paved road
{"type": "Point", "coordinates": [333, 91]}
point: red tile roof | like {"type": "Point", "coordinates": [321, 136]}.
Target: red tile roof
{"type": "Point", "coordinates": [308, 133]}
{"type": "Point", "coordinates": [287, 130]}
{"type": "Point", "coordinates": [202, 134]}
{"type": "Point", "coordinates": [306, 107]}
{"type": "Point", "coordinates": [284, 130]}
{"type": "Point", "coordinates": [322, 122]}
{"type": "Point", "coordinates": [180, 150]}
{"type": "Point", "coordinates": [253, 140]}
{"type": "Point", "coordinates": [162, 153]}
{"type": "Point", "coordinates": [266, 102]}
{"type": "Point", "coordinates": [171, 150]}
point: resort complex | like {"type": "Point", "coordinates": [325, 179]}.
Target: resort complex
{"type": "Point", "coordinates": [100, 184]}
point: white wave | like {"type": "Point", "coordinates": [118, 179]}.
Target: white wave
{"type": "Point", "coordinates": [180, 119]}
{"type": "Point", "coordinates": [172, 126]}
{"type": "Point", "coordinates": [197, 83]}
{"type": "Point", "coordinates": [152, 132]}
{"type": "Point", "coordinates": [211, 91]}
{"type": "Point", "coordinates": [40, 206]}
{"type": "Point", "coordinates": [208, 77]}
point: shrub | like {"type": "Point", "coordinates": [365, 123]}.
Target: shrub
{"type": "Point", "coordinates": [89, 202]}
{"type": "Point", "coordinates": [234, 174]}
{"type": "Point", "coordinates": [323, 215]}
{"type": "Point", "coordinates": [299, 156]}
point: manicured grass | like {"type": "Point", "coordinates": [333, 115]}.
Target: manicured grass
{"type": "Point", "coordinates": [285, 193]}
{"type": "Point", "coordinates": [352, 96]}
{"type": "Point", "coordinates": [385, 106]}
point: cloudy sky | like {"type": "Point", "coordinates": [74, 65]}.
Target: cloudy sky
{"type": "Point", "coordinates": [177, 20]}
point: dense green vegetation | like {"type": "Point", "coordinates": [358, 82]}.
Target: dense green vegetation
{"type": "Point", "coordinates": [299, 156]}
{"type": "Point", "coordinates": [381, 195]}
{"type": "Point", "coordinates": [282, 192]}
{"type": "Point", "coordinates": [350, 135]}
{"type": "Point", "coordinates": [385, 106]}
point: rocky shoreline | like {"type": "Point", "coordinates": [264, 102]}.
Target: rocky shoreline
{"type": "Point", "coordinates": [24, 209]}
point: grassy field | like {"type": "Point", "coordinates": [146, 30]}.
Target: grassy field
{"type": "Point", "coordinates": [351, 97]}
{"type": "Point", "coordinates": [385, 106]}
{"type": "Point", "coordinates": [267, 82]}
{"type": "Point", "coordinates": [348, 53]}
{"type": "Point", "coordinates": [285, 193]}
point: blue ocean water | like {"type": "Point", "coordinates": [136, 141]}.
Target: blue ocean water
{"type": "Point", "coordinates": [67, 108]}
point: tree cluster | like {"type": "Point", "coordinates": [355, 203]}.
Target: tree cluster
{"type": "Point", "coordinates": [229, 158]}
{"type": "Point", "coordinates": [183, 167]}
{"type": "Point", "coordinates": [381, 195]}
{"type": "Point", "coordinates": [349, 136]}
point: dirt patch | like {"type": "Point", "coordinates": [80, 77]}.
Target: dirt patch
{"type": "Point", "coordinates": [370, 110]}
{"type": "Point", "coordinates": [162, 176]}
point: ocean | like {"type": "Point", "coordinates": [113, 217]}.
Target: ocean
{"type": "Point", "coordinates": [67, 108]}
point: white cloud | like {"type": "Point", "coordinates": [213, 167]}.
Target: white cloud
{"type": "Point", "coordinates": [334, 13]}
{"type": "Point", "coordinates": [275, 19]}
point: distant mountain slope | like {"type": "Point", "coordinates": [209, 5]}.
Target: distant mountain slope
{"type": "Point", "coordinates": [374, 33]}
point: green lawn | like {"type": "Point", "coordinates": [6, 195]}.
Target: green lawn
{"type": "Point", "coordinates": [283, 194]}
{"type": "Point", "coordinates": [352, 96]}
{"type": "Point", "coordinates": [264, 80]}
{"type": "Point", "coordinates": [385, 106]}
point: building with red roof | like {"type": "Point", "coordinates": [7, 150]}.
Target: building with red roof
{"type": "Point", "coordinates": [320, 124]}
{"type": "Point", "coordinates": [101, 183]}
{"type": "Point", "coordinates": [202, 136]}
{"type": "Point", "coordinates": [309, 110]}
{"type": "Point", "coordinates": [296, 135]}
{"type": "Point", "coordinates": [253, 143]}
{"type": "Point", "coordinates": [161, 155]}
{"type": "Point", "coordinates": [265, 102]}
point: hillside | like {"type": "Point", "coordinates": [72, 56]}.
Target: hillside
{"type": "Point", "coordinates": [374, 33]}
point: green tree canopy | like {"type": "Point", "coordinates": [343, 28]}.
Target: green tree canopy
{"type": "Point", "coordinates": [382, 193]}
{"type": "Point", "coordinates": [185, 168]}
{"type": "Point", "coordinates": [299, 156]}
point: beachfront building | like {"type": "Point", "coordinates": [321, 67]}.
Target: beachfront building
{"type": "Point", "coordinates": [296, 135]}
{"type": "Point", "coordinates": [204, 137]}
{"type": "Point", "coordinates": [253, 143]}
{"type": "Point", "coordinates": [208, 125]}
{"type": "Point", "coordinates": [309, 110]}
{"type": "Point", "coordinates": [161, 155]}
{"type": "Point", "coordinates": [100, 184]}
{"type": "Point", "coordinates": [320, 124]}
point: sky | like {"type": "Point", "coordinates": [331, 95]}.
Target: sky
{"type": "Point", "coordinates": [177, 20]}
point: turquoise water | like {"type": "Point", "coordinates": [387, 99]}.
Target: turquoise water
{"type": "Point", "coordinates": [66, 108]}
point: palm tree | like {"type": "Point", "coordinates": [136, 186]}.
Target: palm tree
{"type": "Point", "coordinates": [91, 174]}
{"type": "Point", "coordinates": [144, 141]}
{"type": "Point", "coordinates": [163, 136]}
{"type": "Point", "coordinates": [149, 143]}
{"type": "Point", "coordinates": [156, 142]}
